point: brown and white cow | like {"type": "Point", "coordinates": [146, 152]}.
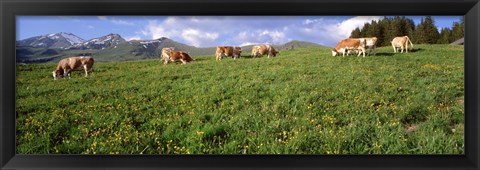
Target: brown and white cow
{"type": "Point", "coordinates": [260, 50]}
{"type": "Point", "coordinates": [177, 56]}
{"type": "Point", "coordinates": [164, 56]}
{"type": "Point", "coordinates": [371, 43]}
{"type": "Point", "coordinates": [228, 51]}
{"type": "Point", "coordinates": [401, 42]}
{"type": "Point", "coordinates": [350, 44]}
{"type": "Point", "coordinates": [67, 65]}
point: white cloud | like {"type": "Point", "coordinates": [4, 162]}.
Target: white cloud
{"type": "Point", "coordinates": [133, 38]}
{"type": "Point", "coordinates": [190, 30]}
{"type": "Point", "coordinates": [115, 21]}
{"type": "Point", "coordinates": [122, 22]}
{"type": "Point", "coordinates": [321, 30]}
{"type": "Point", "coordinates": [261, 37]}
{"type": "Point", "coordinates": [157, 30]}
{"type": "Point", "coordinates": [328, 31]}
{"type": "Point", "coordinates": [346, 27]}
{"type": "Point", "coordinates": [198, 38]}
{"type": "Point", "coordinates": [248, 43]}
{"type": "Point", "coordinates": [311, 21]}
{"type": "Point", "coordinates": [102, 17]}
{"type": "Point", "coordinates": [210, 31]}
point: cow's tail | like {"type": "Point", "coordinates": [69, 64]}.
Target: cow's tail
{"type": "Point", "coordinates": [409, 41]}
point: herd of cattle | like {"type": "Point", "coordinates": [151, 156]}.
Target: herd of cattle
{"type": "Point", "coordinates": [170, 54]}
{"type": "Point", "coordinates": [358, 45]}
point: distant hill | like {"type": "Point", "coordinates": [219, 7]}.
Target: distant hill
{"type": "Point", "coordinates": [60, 40]}
{"type": "Point", "coordinates": [298, 44]}
{"type": "Point", "coordinates": [107, 41]}
{"type": "Point", "coordinates": [113, 47]}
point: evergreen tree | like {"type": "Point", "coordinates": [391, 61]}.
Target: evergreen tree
{"type": "Point", "coordinates": [355, 33]}
{"type": "Point", "coordinates": [418, 33]}
{"type": "Point", "coordinates": [445, 36]}
{"type": "Point", "coordinates": [426, 32]}
{"type": "Point", "coordinates": [458, 30]}
{"type": "Point", "coordinates": [383, 39]}
{"type": "Point", "coordinates": [363, 31]}
{"type": "Point", "coordinates": [408, 26]}
{"type": "Point", "coordinates": [431, 30]}
{"type": "Point", "coordinates": [375, 30]}
{"type": "Point", "coordinates": [393, 29]}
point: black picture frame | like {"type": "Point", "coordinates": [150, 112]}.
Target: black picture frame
{"type": "Point", "coordinates": [11, 8]}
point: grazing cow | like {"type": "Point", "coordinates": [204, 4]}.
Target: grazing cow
{"type": "Point", "coordinates": [350, 44]}
{"type": "Point", "coordinates": [164, 56]}
{"type": "Point", "coordinates": [260, 50]}
{"type": "Point", "coordinates": [228, 51]}
{"type": "Point", "coordinates": [401, 42]}
{"type": "Point", "coordinates": [67, 65]}
{"type": "Point", "coordinates": [370, 42]}
{"type": "Point", "coordinates": [177, 56]}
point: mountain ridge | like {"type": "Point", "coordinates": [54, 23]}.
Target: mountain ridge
{"type": "Point", "coordinates": [113, 47]}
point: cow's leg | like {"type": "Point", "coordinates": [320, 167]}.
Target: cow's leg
{"type": "Point", "coordinates": [183, 61]}
{"type": "Point", "coordinates": [86, 70]}
{"type": "Point", "coordinates": [402, 49]}
{"type": "Point", "coordinates": [394, 49]}
{"type": "Point", "coordinates": [66, 73]}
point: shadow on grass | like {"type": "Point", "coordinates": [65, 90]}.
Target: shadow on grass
{"type": "Point", "coordinates": [392, 53]}
{"type": "Point", "coordinates": [416, 50]}
{"type": "Point", "coordinates": [383, 54]}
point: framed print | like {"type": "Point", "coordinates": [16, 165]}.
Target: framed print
{"type": "Point", "coordinates": [239, 84]}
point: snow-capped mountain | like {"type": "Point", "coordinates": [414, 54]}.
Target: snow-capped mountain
{"type": "Point", "coordinates": [112, 47]}
{"type": "Point", "coordinates": [61, 40]}
{"type": "Point", "coordinates": [107, 41]}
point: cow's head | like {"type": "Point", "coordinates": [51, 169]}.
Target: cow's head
{"type": "Point", "coordinates": [275, 53]}
{"type": "Point", "coordinates": [238, 50]}
{"type": "Point", "coordinates": [255, 51]}
{"type": "Point", "coordinates": [334, 52]}
{"type": "Point", "coordinates": [57, 74]}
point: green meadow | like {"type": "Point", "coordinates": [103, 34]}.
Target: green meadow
{"type": "Point", "coordinates": [302, 102]}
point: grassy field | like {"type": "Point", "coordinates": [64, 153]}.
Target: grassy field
{"type": "Point", "coordinates": [303, 102]}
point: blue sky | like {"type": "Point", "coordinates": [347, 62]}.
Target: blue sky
{"type": "Point", "coordinates": [208, 31]}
